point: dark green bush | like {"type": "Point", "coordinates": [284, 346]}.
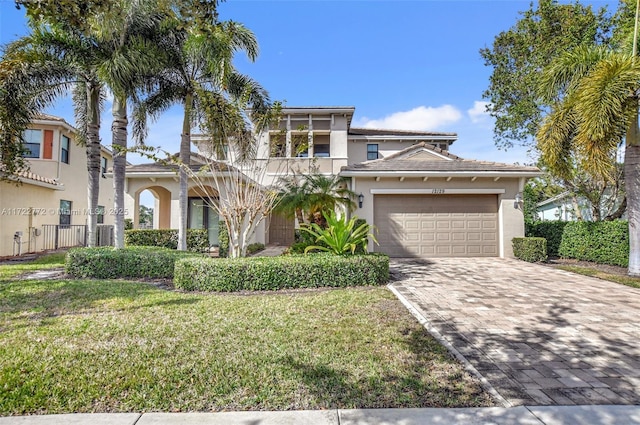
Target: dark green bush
{"type": "Point", "coordinates": [532, 250]}
{"type": "Point", "coordinates": [605, 242]}
{"type": "Point", "coordinates": [272, 273]}
{"type": "Point", "coordinates": [550, 230]}
{"type": "Point", "coordinates": [223, 240]}
{"type": "Point", "coordinates": [197, 239]}
{"type": "Point", "coordinates": [255, 247]}
{"type": "Point", "coordinates": [130, 262]}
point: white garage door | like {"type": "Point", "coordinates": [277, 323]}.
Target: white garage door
{"type": "Point", "coordinates": [437, 225]}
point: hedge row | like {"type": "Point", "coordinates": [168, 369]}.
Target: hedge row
{"type": "Point", "coordinates": [550, 230]}
{"type": "Point", "coordinates": [130, 262]}
{"type": "Point", "coordinates": [197, 239]}
{"type": "Point", "coordinates": [272, 273]}
{"type": "Point", "coordinates": [532, 250]}
{"type": "Point", "coordinates": [605, 242]}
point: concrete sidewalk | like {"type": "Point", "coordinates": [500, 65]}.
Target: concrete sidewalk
{"type": "Point", "coordinates": [521, 415]}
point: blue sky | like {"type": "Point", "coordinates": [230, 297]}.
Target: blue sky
{"type": "Point", "coordinates": [411, 65]}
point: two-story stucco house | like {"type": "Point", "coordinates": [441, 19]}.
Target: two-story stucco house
{"type": "Point", "coordinates": [423, 200]}
{"type": "Point", "coordinates": [48, 209]}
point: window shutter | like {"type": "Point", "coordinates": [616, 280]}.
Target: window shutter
{"type": "Point", "coordinates": [47, 152]}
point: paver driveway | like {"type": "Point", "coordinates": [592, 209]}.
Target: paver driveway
{"type": "Point", "coordinates": [540, 336]}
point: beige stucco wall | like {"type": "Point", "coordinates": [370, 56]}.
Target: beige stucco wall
{"type": "Point", "coordinates": [510, 219]}
{"type": "Point", "coordinates": [166, 192]}
{"type": "Point", "coordinates": [32, 205]}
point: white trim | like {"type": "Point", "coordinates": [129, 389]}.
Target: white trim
{"type": "Point", "coordinates": [407, 137]}
{"type": "Point", "coordinates": [436, 191]}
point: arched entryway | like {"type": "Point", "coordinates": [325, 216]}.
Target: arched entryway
{"type": "Point", "coordinates": [161, 207]}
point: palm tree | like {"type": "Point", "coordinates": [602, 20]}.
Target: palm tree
{"type": "Point", "coordinates": [315, 195]}
{"type": "Point", "coordinates": [597, 111]}
{"type": "Point", "coordinates": [129, 35]}
{"type": "Point", "coordinates": [42, 67]}
{"type": "Point", "coordinates": [199, 75]}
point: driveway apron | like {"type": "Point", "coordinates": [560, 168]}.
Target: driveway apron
{"type": "Point", "coordinates": [538, 335]}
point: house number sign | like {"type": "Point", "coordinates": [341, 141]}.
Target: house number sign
{"type": "Point", "coordinates": [437, 191]}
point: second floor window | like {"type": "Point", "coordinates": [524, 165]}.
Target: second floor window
{"type": "Point", "coordinates": [64, 149]}
{"type": "Point", "coordinates": [372, 151]}
{"type": "Point", "coordinates": [100, 215]}
{"type": "Point", "coordinates": [32, 143]}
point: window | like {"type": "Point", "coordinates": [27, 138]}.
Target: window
{"type": "Point", "coordinates": [278, 146]}
{"type": "Point", "coordinates": [321, 151]}
{"type": "Point", "coordinates": [65, 212]}
{"type": "Point", "coordinates": [32, 143]}
{"type": "Point", "coordinates": [64, 149]}
{"type": "Point", "coordinates": [372, 151]}
{"type": "Point", "coordinates": [103, 166]}
{"type": "Point", "coordinates": [100, 215]}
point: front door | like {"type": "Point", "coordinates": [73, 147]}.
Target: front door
{"type": "Point", "coordinates": [202, 216]}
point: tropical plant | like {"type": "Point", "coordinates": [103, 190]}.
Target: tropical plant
{"type": "Point", "coordinates": [341, 236]}
{"type": "Point", "coordinates": [199, 75]}
{"type": "Point", "coordinates": [596, 110]}
{"type": "Point", "coordinates": [40, 68]}
{"type": "Point", "coordinates": [314, 195]}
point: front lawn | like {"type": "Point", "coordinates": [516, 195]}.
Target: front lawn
{"type": "Point", "coordinates": [119, 346]}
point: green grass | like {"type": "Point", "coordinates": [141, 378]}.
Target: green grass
{"type": "Point", "coordinates": [119, 346]}
{"type": "Point", "coordinates": [634, 282]}
{"type": "Point", "coordinates": [46, 261]}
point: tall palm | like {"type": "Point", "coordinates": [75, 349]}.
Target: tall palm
{"type": "Point", "coordinates": [598, 109]}
{"type": "Point", "coordinates": [199, 75]}
{"type": "Point", "coordinates": [128, 35]}
{"type": "Point", "coordinates": [39, 69]}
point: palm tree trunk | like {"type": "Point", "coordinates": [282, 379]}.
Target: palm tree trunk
{"type": "Point", "coordinates": [93, 159]}
{"type": "Point", "coordinates": [632, 187]}
{"type": "Point", "coordinates": [185, 159]}
{"type": "Point", "coordinates": [119, 140]}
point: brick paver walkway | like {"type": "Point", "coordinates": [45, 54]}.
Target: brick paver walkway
{"type": "Point", "coordinates": [540, 336]}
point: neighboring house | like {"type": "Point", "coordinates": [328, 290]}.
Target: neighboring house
{"type": "Point", "coordinates": [48, 209]}
{"type": "Point", "coordinates": [563, 207]}
{"type": "Point", "coordinates": [423, 200]}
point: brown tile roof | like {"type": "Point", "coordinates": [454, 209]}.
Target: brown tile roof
{"type": "Point", "coordinates": [401, 161]}
{"type": "Point", "coordinates": [27, 176]}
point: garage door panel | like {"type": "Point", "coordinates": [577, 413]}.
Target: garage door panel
{"type": "Point", "coordinates": [443, 225]}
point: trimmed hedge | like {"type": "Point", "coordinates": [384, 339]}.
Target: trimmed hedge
{"type": "Point", "coordinates": [605, 242]}
{"type": "Point", "coordinates": [272, 273]}
{"type": "Point", "coordinates": [532, 250]}
{"type": "Point", "coordinates": [550, 230]}
{"type": "Point", "coordinates": [223, 240]}
{"type": "Point", "coordinates": [197, 239]}
{"type": "Point", "coordinates": [130, 262]}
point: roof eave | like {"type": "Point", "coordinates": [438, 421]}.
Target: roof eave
{"type": "Point", "coordinates": [507, 174]}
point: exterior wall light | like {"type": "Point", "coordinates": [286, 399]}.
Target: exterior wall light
{"type": "Point", "coordinates": [517, 204]}
{"type": "Point", "coordinates": [360, 200]}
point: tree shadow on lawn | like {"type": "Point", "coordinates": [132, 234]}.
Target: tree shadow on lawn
{"type": "Point", "coordinates": [36, 300]}
{"type": "Point", "coordinates": [429, 379]}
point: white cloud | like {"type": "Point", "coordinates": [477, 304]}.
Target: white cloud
{"type": "Point", "coordinates": [479, 112]}
{"type": "Point", "coordinates": [422, 118]}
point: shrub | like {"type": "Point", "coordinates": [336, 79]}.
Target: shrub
{"type": "Point", "coordinates": [341, 236]}
{"type": "Point", "coordinates": [197, 239]}
{"type": "Point", "coordinates": [255, 247]}
{"type": "Point", "coordinates": [130, 262]}
{"type": "Point", "coordinates": [605, 242]}
{"type": "Point", "coordinates": [550, 230]}
{"type": "Point", "coordinates": [272, 273]}
{"type": "Point", "coordinates": [532, 250]}
{"type": "Point", "coordinates": [223, 240]}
